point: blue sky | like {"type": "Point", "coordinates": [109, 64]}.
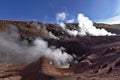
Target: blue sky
{"type": "Point", "coordinates": [46, 10]}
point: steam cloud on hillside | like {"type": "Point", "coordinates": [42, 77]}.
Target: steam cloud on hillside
{"type": "Point", "coordinates": [13, 50]}
{"type": "Point", "coordinates": [85, 27]}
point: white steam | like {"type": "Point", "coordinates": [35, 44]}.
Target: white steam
{"type": "Point", "coordinates": [53, 36]}
{"type": "Point", "coordinates": [13, 50]}
{"type": "Point", "coordinates": [85, 27]}
{"type": "Point", "coordinates": [42, 29]}
{"type": "Point", "coordinates": [70, 21]}
{"type": "Point", "coordinates": [41, 49]}
{"type": "Point", "coordinates": [61, 16]}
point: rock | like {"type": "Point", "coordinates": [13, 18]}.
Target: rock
{"type": "Point", "coordinates": [6, 79]}
{"type": "Point", "coordinates": [15, 78]}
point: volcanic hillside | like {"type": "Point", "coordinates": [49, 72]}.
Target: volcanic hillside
{"type": "Point", "coordinates": [94, 57]}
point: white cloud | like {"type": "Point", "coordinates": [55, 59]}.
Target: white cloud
{"type": "Point", "coordinates": [61, 16]}
{"type": "Point", "coordinates": [112, 20]}
{"type": "Point", "coordinates": [70, 21]}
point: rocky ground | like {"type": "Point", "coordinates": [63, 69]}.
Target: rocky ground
{"type": "Point", "coordinates": [98, 57]}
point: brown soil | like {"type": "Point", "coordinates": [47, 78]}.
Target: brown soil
{"type": "Point", "coordinates": [100, 56]}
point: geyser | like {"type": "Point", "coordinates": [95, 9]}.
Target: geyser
{"type": "Point", "coordinates": [14, 50]}
{"type": "Point", "coordinates": [85, 27]}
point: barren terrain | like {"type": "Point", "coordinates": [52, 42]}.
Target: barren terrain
{"type": "Point", "coordinates": [98, 57]}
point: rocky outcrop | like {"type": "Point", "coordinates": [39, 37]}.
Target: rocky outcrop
{"type": "Point", "coordinates": [95, 57]}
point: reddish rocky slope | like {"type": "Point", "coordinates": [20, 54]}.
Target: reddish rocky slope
{"type": "Point", "coordinates": [98, 57]}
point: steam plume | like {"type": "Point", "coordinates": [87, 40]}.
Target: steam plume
{"type": "Point", "coordinates": [13, 50]}
{"type": "Point", "coordinates": [61, 16]}
{"type": "Point", "coordinates": [86, 27]}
